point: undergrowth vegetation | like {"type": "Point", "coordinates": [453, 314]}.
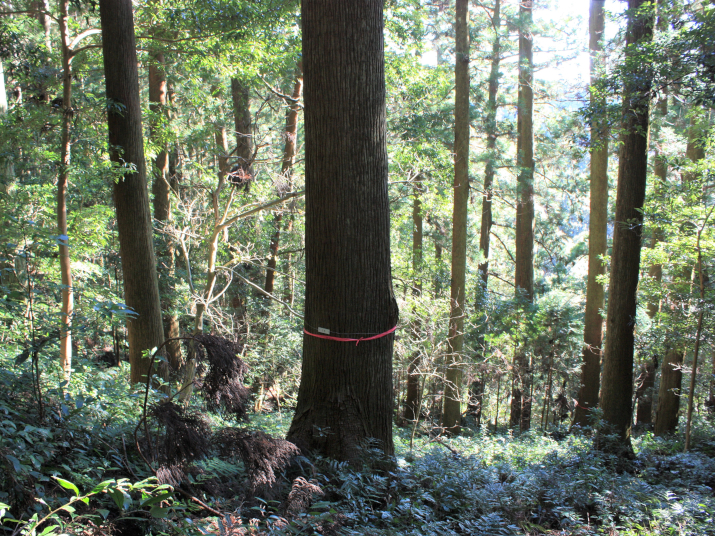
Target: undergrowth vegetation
{"type": "Point", "coordinates": [78, 471]}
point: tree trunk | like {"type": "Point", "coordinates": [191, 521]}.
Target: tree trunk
{"type": "Point", "coordinates": [452, 411]}
{"type": "Point", "coordinates": [644, 393]}
{"type": "Point", "coordinates": [289, 135]}
{"type": "Point", "coordinates": [617, 391]}
{"type": "Point", "coordinates": [131, 198]}
{"type": "Point", "coordinates": [490, 122]}
{"type": "Point", "coordinates": [524, 270]}
{"type": "Point", "coordinates": [597, 228]}
{"type": "Point", "coordinates": [162, 210]}
{"type": "Point", "coordinates": [243, 126]}
{"type": "Point", "coordinates": [345, 393]}
{"type": "Point", "coordinates": [413, 398]}
{"type": "Point", "coordinates": [7, 170]}
{"type": "Point", "coordinates": [65, 157]}
{"type": "Point", "coordinates": [671, 378]}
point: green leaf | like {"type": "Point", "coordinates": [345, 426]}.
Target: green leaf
{"type": "Point", "coordinates": [67, 485]}
{"type": "Point", "coordinates": [21, 358]}
{"type": "Point", "coordinates": [158, 512]}
{"type": "Point", "coordinates": [68, 508]}
{"type": "Point", "coordinates": [101, 486]}
{"type": "Point", "coordinates": [15, 462]}
{"type": "Point", "coordinates": [102, 512]}
{"type": "Point", "coordinates": [153, 500]}
{"type": "Point", "coordinates": [49, 530]}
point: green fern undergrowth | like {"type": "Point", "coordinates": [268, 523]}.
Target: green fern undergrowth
{"type": "Point", "coordinates": [76, 470]}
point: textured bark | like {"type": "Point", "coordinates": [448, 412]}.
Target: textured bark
{"type": "Point", "coordinates": [644, 393]}
{"type": "Point", "coordinates": [413, 397]}
{"type": "Point", "coordinates": [524, 270]}
{"type": "Point", "coordinates": [617, 391]}
{"type": "Point", "coordinates": [131, 198]}
{"type": "Point", "coordinates": [243, 127]}
{"type": "Point", "coordinates": [7, 169]}
{"type": "Point", "coordinates": [65, 157]}
{"type": "Point", "coordinates": [345, 394]}
{"type": "Point", "coordinates": [452, 411]}
{"type": "Point", "coordinates": [490, 123]}
{"type": "Point", "coordinates": [290, 134]}
{"type": "Point", "coordinates": [597, 230]}
{"type": "Point", "coordinates": [671, 378]}
{"type": "Point", "coordinates": [162, 211]}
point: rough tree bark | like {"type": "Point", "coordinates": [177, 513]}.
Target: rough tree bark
{"type": "Point", "coordinates": [452, 409]}
{"type": "Point", "coordinates": [524, 270]}
{"type": "Point", "coordinates": [490, 122]}
{"type": "Point", "coordinates": [587, 398]}
{"type": "Point", "coordinates": [413, 396]}
{"type": "Point", "coordinates": [162, 208]}
{"type": "Point", "coordinates": [62, 179]}
{"type": "Point", "coordinates": [131, 198]}
{"type": "Point", "coordinates": [345, 394]}
{"type": "Point", "coordinates": [242, 123]}
{"type": "Point", "coordinates": [617, 390]}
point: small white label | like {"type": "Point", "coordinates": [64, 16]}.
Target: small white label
{"type": "Point", "coordinates": [324, 331]}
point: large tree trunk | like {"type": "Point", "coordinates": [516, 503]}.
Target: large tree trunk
{"type": "Point", "coordinates": [452, 412]}
{"type": "Point", "coordinates": [65, 157]}
{"type": "Point", "coordinates": [617, 391]}
{"type": "Point", "coordinates": [490, 123]}
{"type": "Point", "coordinates": [597, 228]}
{"type": "Point", "coordinates": [345, 393]}
{"type": "Point", "coordinates": [162, 210]}
{"type": "Point", "coordinates": [131, 198]}
{"type": "Point", "coordinates": [524, 271]}
{"type": "Point", "coordinates": [290, 134]}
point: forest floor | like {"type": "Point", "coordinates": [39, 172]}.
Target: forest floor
{"type": "Point", "coordinates": [79, 461]}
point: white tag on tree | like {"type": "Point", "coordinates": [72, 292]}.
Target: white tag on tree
{"type": "Point", "coordinates": [324, 331]}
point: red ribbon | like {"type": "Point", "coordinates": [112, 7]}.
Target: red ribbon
{"type": "Point", "coordinates": [344, 339]}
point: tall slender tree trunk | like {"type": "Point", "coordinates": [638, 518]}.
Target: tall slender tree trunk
{"type": "Point", "coordinates": [617, 391]}
{"type": "Point", "coordinates": [413, 397]}
{"type": "Point", "coordinates": [62, 179]}
{"type": "Point", "coordinates": [131, 198]}
{"type": "Point", "coordinates": [452, 412]}
{"type": "Point", "coordinates": [162, 209]}
{"type": "Point", "coordinates": [290, 134]}
{"type": "Point", "coordinates": [490, 122]}
{"type": "Point", "coordinates": [524, 271]}
{"type": "Point", "coordinates": [669, 394]}
{"type": "Point", "coordinates": [7, 169]}
{"type": "Point", "coordinates": [345, 393]}
{"type": "Point", "coordinates": [597, 228]}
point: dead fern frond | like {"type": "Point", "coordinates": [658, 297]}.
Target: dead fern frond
{"type": "Point", "coordinates": [262, 455]}
{"type": "Point", "coordinates": [170, 474]}
{"type": "Point", "coordinates": [301, 496]}
{"type": "Point", "coordinates": [222, 386]}
{"type": "Point", "coordinates": [186, 435]}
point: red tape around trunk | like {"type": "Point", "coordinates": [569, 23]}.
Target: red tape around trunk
{"type": "Point", "coordinates": [344, 339]}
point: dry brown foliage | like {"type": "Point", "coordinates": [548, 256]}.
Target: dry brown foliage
{"type": "Point", "coordinates": [262, 455]}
